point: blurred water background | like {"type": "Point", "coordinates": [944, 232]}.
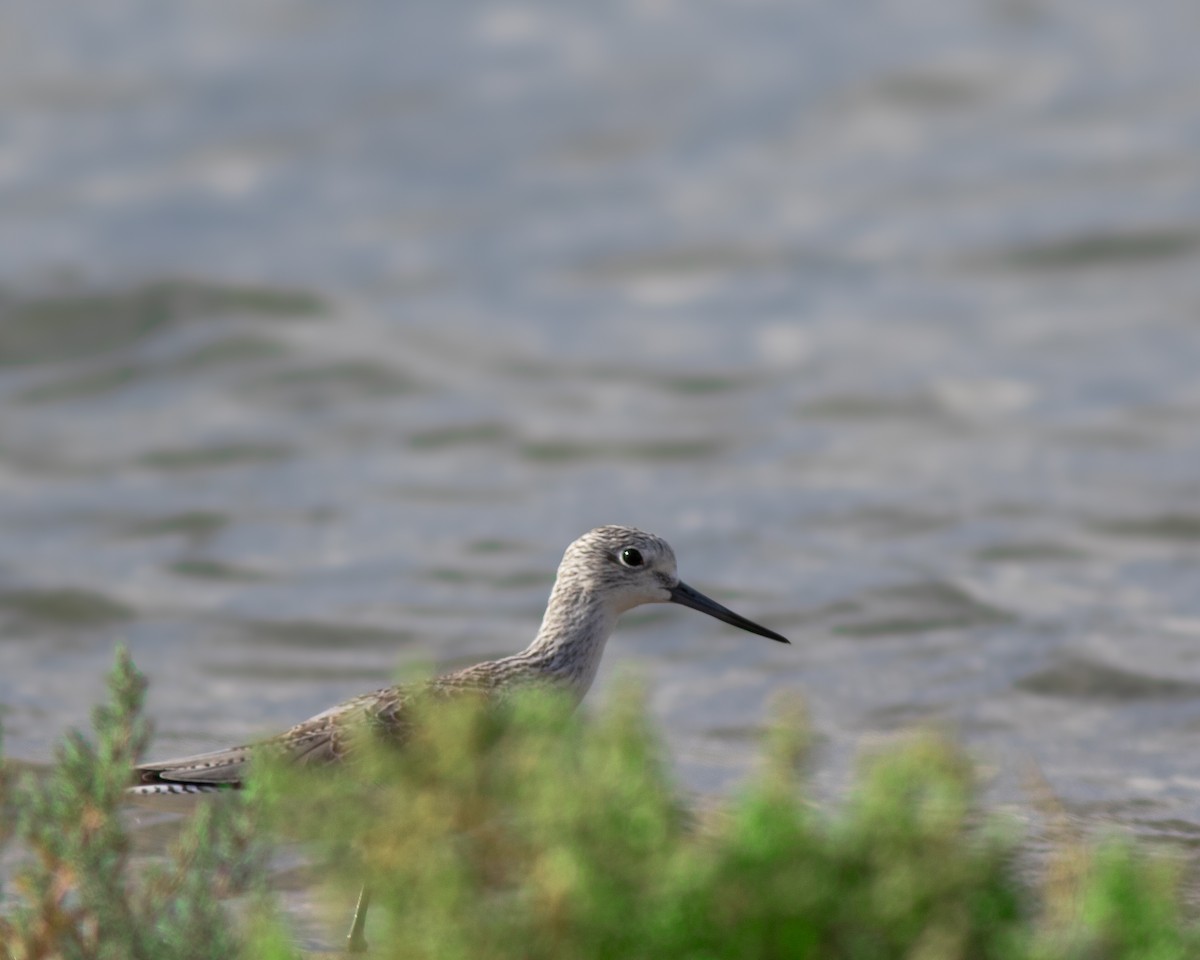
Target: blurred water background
{"type": "Point", "coordinates": [325, 327]}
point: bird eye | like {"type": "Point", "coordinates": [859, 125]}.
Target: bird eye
{"type": "Point", "coordinates": [631, 557]}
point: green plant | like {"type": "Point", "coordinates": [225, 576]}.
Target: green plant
{"type": "Point", "coordinates": [80, 892]}
{"type": "Point", "coordinates": [521, 829]}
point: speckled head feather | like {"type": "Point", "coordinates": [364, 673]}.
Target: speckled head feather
{"type": "Point", "coordinates": [622, 566]}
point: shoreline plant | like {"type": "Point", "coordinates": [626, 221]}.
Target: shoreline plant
{"type": "Point", "coordinates": [526, 830]}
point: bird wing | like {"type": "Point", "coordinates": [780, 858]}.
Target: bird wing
{"type": "Point", "coordinates": [321, 739]}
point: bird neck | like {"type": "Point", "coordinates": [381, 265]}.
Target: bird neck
{"type": "Point", "coordinates": [571, 639]}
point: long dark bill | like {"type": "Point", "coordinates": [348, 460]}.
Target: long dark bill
{"type": "Point", "coordinates": [685, 596]}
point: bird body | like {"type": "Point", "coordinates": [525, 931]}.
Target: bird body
{"type": "Point", "coordinates": [604, 573]}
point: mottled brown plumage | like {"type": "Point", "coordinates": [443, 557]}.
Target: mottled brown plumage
{"type": "Point", "coordinates": [604, 573]}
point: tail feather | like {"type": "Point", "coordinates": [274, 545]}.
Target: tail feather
{"type": "Point", "coordinates": [200, 773]}
{"type": "Point", "coordinates": [177, 789]}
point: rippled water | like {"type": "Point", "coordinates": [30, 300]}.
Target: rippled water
{"type": "Point", "coordinates": [325, 327]}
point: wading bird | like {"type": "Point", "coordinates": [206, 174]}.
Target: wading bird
{"type": "Point", "coordinates": [604, 573]}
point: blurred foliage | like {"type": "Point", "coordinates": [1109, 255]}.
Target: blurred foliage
{"type": "Point", "coordinates": [527, 831]}
{"type": "Point", "coordinates": [77, 890]}
{"type": "Point", "coordinates": [520, 829]}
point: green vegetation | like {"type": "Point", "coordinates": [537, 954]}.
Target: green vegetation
{"type": "Point", "coordinates": [526, 831]}
{"type": "Point", "coordinates": [77, 890]}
